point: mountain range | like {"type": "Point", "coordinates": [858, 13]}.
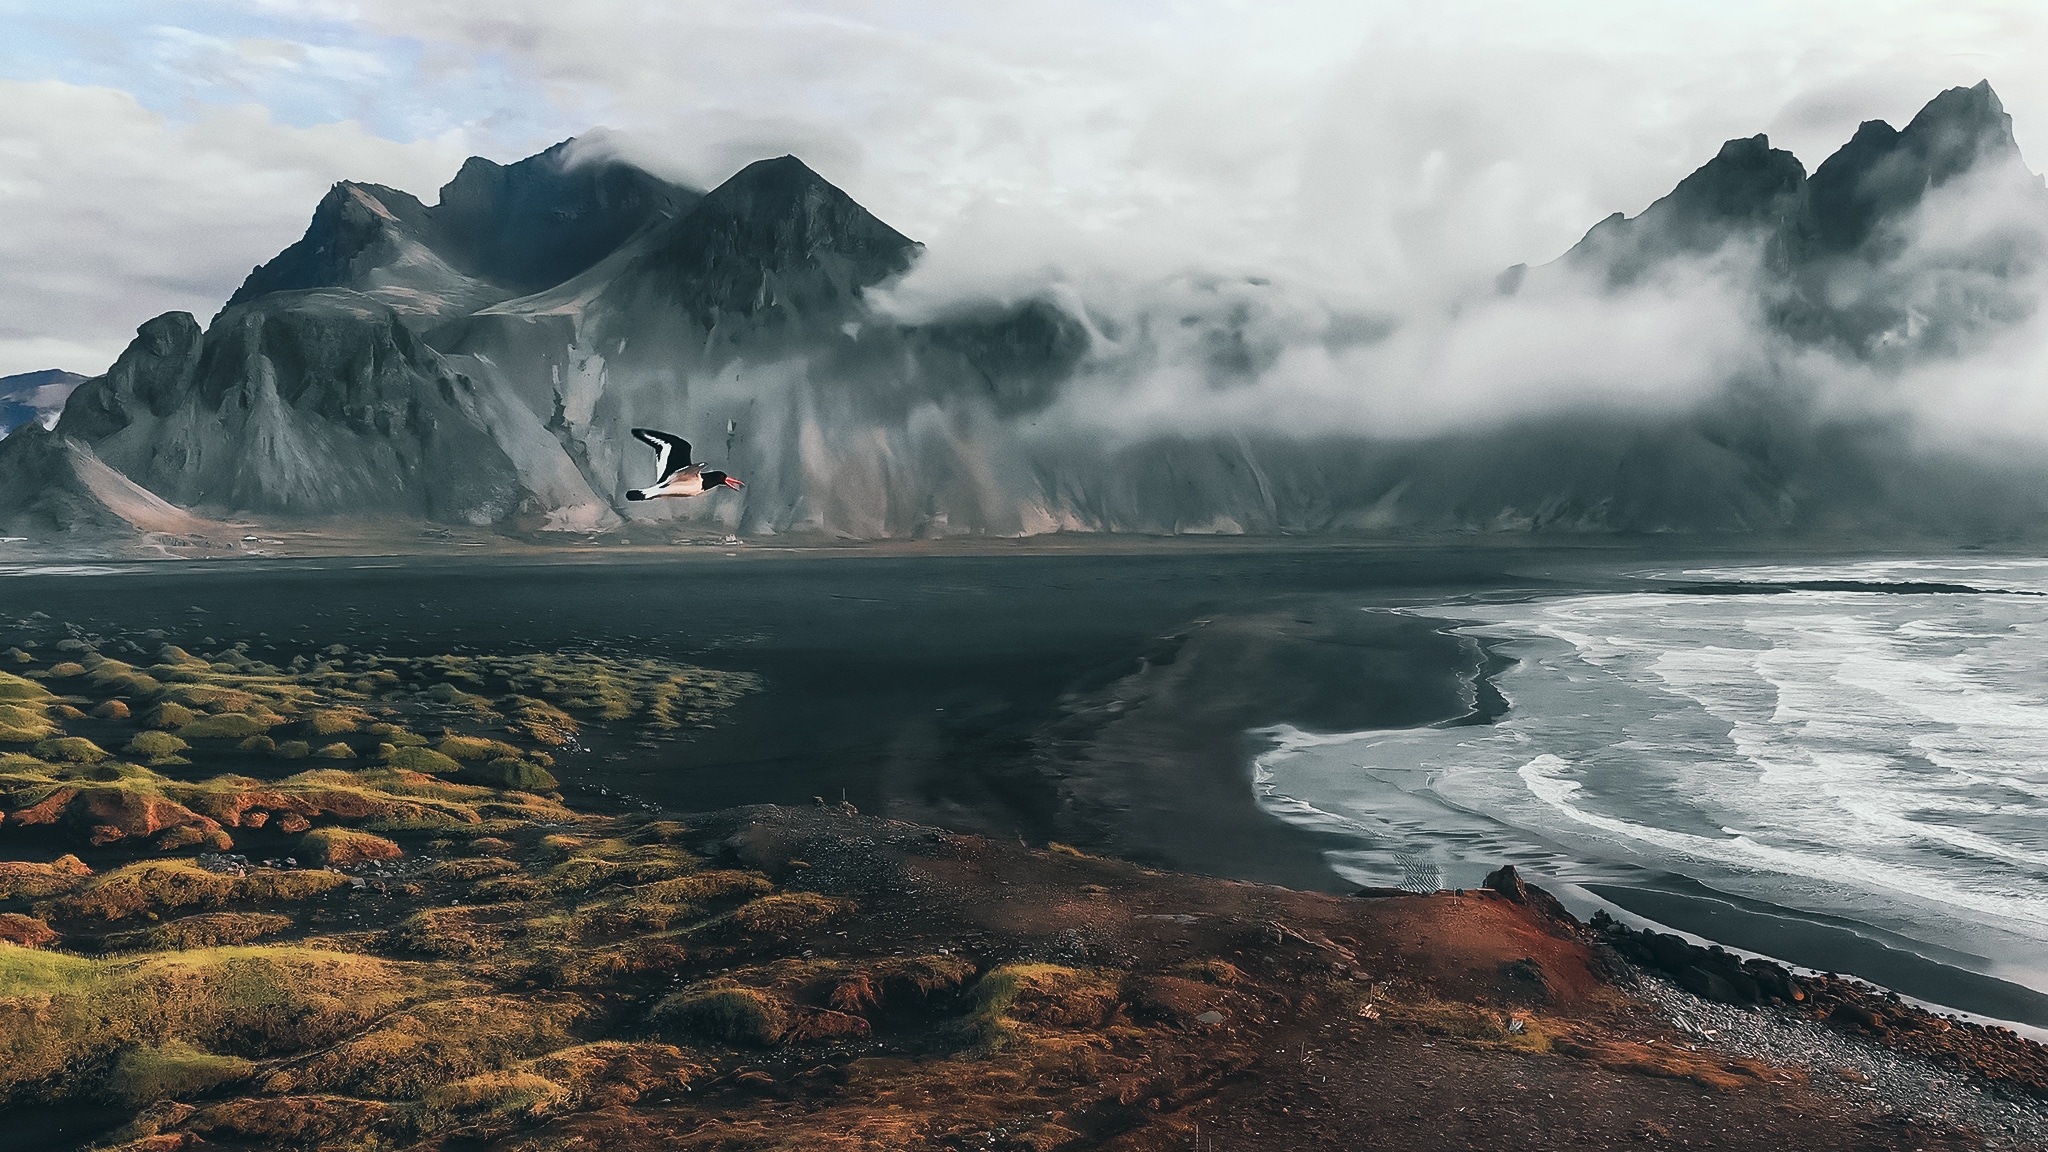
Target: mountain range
{"type": "Point", "coordinates": [480, 361]}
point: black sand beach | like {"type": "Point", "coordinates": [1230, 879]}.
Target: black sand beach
{"type": "Point", "coordinates": [1096, 698]}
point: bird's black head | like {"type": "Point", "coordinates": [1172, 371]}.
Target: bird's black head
{"type": "Point", "coordinates": [714, 479]}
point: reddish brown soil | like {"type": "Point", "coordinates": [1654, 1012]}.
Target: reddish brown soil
{"type": "Point", "coordinates": [1292, 1064]}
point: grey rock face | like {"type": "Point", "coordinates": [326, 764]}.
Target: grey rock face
{"type": "Point", "coordinates": [531, 225]}
{"type": "Point", "coordinates": [310, 403]}
{"type": "Point", "coordinates": [1748, 187]}
{"type": "Point", "coordinates": [54, 486]}
{"type": "Point", "coordinates": [1881, 172]}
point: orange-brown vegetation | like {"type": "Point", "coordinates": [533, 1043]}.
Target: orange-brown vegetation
{"type": "Point", "coordinates": [467, 963]}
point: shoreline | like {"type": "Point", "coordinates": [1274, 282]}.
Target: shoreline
{"type": "Point", "coordinates": [1811, 942]}
{"type": "Point", "coordinates": [408, 939]}
{"type": "Point", "coordinates": [1141, 750]}
{"type": "Point", "coordinates": [247, 540]}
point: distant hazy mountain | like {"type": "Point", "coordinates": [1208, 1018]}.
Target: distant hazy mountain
{"type": "Point", "coordinates": [37, 396]}
{"type": "Point", "coordinates": [481, 360]}
{"type": "Point", "coordinates": [1837, 242]}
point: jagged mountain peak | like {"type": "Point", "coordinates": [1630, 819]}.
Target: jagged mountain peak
{"type": "Point", "coordinates": [1746, 179]}
{"type": "Point", "coordinates": [1747, 186]}
{"type": "Point", "coordinates": [1883, 171]}
{"type": "Point", "coordinates": [355, 227]}
{"type": "Point", "coordinates": [1960, 126]}
{"type": "Point", "coordinates": [532, 224]}
{"type": "Point", "coordinates": [498, 231]}
{"type": "Point", "coordinates": [776, 239]}
{"type": "Point", "coordinates": [802, 210]}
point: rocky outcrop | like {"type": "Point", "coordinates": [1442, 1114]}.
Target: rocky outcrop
{"type": "Point", "coordinates": [52, 485]}
{"type": "Point", "coordinates": [1996, 1054]}
{"type": "Point", "coordinates": [314, 403]}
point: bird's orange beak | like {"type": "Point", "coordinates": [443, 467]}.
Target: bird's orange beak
{"type": "Point", "coordinates": [732, 483]}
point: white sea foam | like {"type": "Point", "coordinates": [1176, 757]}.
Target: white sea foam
{"type": "Point", "coordinates": [1876, 756]}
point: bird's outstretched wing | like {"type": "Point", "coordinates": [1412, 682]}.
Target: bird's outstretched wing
{"type": "Point", "coordinates": [671, 453]}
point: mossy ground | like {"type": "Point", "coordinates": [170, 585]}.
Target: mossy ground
{"type": "Point", "coordinates": [163, 976]}
{"type": "Point", "coordinates": [459, 960]}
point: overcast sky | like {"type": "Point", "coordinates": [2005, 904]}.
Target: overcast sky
{"type": "Point", "coordinates": [152, 151]}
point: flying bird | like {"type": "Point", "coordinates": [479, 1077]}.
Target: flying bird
{"type": "Point", "coordinates": [674, 474]}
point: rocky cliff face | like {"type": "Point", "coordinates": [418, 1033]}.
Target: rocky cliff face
{"type": "Point", "coordinates": [309, 403]}
{"type": "Point", "coordinates": [482, 360]}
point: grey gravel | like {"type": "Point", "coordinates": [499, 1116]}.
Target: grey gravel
{"type": "Point", "coordinates": [1891, 1083]}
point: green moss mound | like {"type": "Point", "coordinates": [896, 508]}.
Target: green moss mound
{"type": "Point", "coordinates": [1038, 996]}
{"type": "Point", "coordinates": [227, 726]}
{"type": "Point", "coordinates": [424, 760]}
{"type": "Point", "coordinates": [204, 930]}
{"type": "Point", "coordinates": [344, 847]}
{"type": "Point", "coordinates": [70, 750]}
{"type": "Point", "coordinates": [170, 715]}
{"type": "Point", "coordinates": [63, 1013]}
{"type": "Point", "coordinates": [475, 748]}
{"type": "Point", "coordinates": [156, 747]}
{"type": "Point", "coordinates": [158, 886]}
{"type": "Point", "coordinates": [14, 688]}
{"type": "Point", "coordinates": [728, 1011]}
{"type": "Point", "coordinates": [147, 1074]}
{"type": "Point", "coordinates": [510, 773]}
{"type": "Point", "coordinates": [25, 723]}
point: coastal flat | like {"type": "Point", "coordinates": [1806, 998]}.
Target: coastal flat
{"type": "Point", "coordinates": [286, 892]}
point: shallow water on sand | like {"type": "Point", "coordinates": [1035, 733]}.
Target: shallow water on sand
{"type": "Point", "coordinates": [1833, 765]}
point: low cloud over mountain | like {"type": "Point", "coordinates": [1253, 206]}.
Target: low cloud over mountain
{"type": "Point", "coordinates": [1764, 350]}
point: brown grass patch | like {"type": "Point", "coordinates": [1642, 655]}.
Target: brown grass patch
{"type": "Point", "coordinates": [28, 880]}
{"type": "Point", "coordinates": [343, 847]}
{"type": "Point", "coordinates": [205, 930]}
{"type": "Point", "coordinates": [412, 1053]}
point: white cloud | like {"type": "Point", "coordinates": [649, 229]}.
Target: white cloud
{"type": "Point", "coordinates": [117, 214]}
{"type": "Point", "coordinates": [1382, 141]}
{"type": "Point", "coordinates": [1372, 158]}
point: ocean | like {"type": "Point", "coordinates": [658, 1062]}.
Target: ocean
{"type": "Point", "coordinates": [1843, 766]}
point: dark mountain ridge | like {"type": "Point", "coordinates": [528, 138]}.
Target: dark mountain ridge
{"type": "Point", "coordinates": [1828, 242]}
{"type": "Point", "coordinates": [482, 360]}
{"type": "Point", "coordinates": [499, 231]}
